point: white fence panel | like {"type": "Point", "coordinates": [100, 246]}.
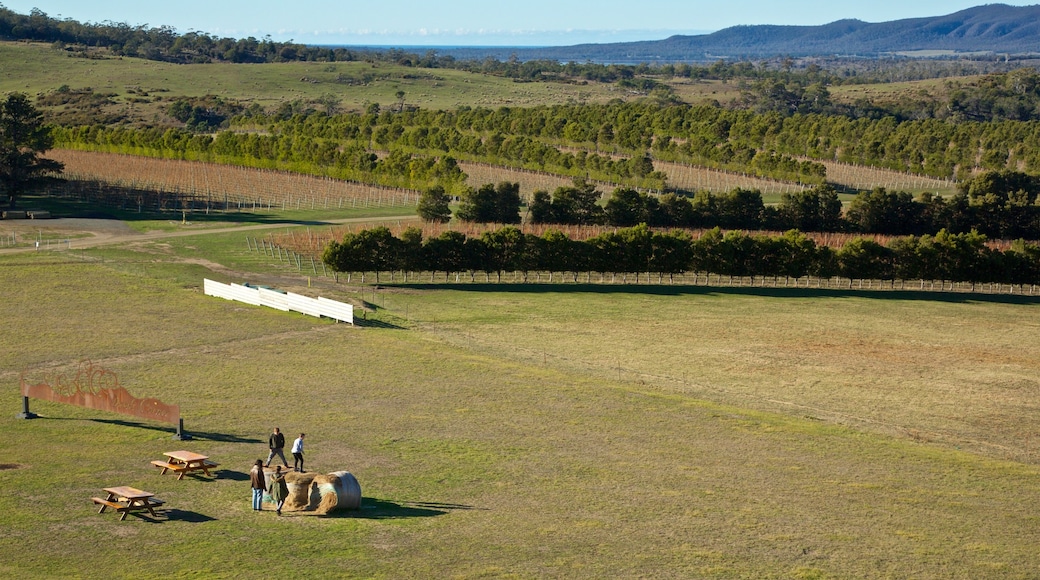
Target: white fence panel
{"type": "Point", "coordinates": [336, 310]}
{"type": "Point", "coordinates": [232, 292]}
{"type": "Point", "coordinates": [244, 294]}
{"type": "Point", "coordinates": [304, 304]}
{"type": "Point", "coordinates": [217, 289]}
{"type": "Point", "coordinates": [281, 301]}
{"type": "Point", "coordinates": [274, 299]}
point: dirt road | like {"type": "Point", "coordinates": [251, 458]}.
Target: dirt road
{"type": "Point", "coordinates": [105, 232]}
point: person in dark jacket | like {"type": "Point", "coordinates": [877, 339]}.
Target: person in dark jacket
{"type": "Point", "coordinates": [256, 478]}
{"type": "Point", "coordinates": [277, 443]}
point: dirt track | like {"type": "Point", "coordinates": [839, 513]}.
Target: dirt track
{"type": "Point", "coordinates": [104, 232]}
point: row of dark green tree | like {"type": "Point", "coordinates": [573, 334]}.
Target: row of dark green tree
{"type": "Point", "coordinates": [1001, 205]}
{"type": "Point", "coordinates": [997, 204]}
{"type": "Point", "coordinates": [642, 250]}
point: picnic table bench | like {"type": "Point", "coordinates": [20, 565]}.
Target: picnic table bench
{"type": "Point", "coordinates": [181, 462]}
{"type": "Point", "coordinates": [125, 499]}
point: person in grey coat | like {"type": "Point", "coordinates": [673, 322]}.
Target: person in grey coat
{"type": "Point", "coordinates": [278, 489]}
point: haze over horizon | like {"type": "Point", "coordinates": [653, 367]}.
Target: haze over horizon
{"type": "Point", "coordinates": [473, 23]}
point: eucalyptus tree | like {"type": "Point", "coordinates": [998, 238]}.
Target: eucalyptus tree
{"type": "Point", "coordinates": [556, 253]}
{"type": "Point", "coordinates": [447, 253]}
{"type": "Point", "coordinates": [491, 204]}
{"type": "Point", "coordinates": [626, 208]}
{"type": "Point", "coordinates": [507, 248]}
{"type": "Point", "coordinates": [434, 205]}
{"type": "Point", "coordinates": [880, 211]}
{"type": "Point", "coordinates": [23, 138]}
{"type": "Point", "coordinates": [794, 254]}
{"type": "Point", "coordinates": [410, 251]}
{"type": "Point", "coordinates": [866, 259]}
{"type": "Point", "coordinates": [371, 250]}
{"type": "Point", "coordinates": [672, 253]}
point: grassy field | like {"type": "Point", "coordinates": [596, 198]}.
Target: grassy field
{"type": "Point", "coordinates": [142, 87]}
{"type": "Point", "coordinates": [524, 431]}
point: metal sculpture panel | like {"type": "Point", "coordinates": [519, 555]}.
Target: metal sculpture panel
{"type": "Point", "coordinates": [94, 387]}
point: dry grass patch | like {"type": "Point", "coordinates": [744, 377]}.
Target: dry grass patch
{"type": "Point", "coordinates": [478, 454]}
{"type": "Point", "coordinates": [956, 370]}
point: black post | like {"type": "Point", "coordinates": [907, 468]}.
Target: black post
{"type": "Point", "coordinates": [26, 414]}
{"type": "Point", "coordinates": [180, 435]}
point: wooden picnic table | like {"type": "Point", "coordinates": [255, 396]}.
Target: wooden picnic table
{"type": "Point", "coordinates": [125, 499]}
{"type": "Point", "coordinates": [181, 462]}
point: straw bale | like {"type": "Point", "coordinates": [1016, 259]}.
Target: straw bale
{"type": "Point", "coordinates": [299, 485]}
{"type": "Point", "coordinates": [338, 490]}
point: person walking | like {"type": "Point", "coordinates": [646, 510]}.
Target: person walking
{"type": "Point", "coordinates": [256, 478]}
{"type": "Point", "coordinates": [278, 489]}
{"type": "Point", "coordinates": [297, 454]}
{"type": "Point", "coordinates": [276, 442]}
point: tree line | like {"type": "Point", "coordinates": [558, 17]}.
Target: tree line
{"type": "Point", "coordinates": [996, 204]}
{"type": "Point", "coordinates": [999, 204]}
{"type": "Point", "coordinates": [642, 250]}
{"type": "Point", "coordinates": [614, 142]}
{"type": "Point", "coordinates": [768, 144]}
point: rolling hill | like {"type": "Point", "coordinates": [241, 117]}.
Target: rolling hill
{"type": "Point", "coordinates": [992, 28]}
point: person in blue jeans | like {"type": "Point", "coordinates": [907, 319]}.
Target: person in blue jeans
{"type": "Point", "coordinates": [256, 477]}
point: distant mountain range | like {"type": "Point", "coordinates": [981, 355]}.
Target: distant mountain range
{"type": "Point", "coordinates": [994, 28]}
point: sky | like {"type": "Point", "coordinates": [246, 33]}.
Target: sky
{"type": "Point", "coordinates": [477, 22]}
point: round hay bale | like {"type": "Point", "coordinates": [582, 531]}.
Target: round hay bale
{"type": "Point", "coordinates": [339, 490]}
{"type": "Point", "coordinates": [299, 485]}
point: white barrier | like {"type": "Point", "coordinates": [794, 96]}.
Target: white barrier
{"type": "Point", "coordinates": [284, 301]}
{"type": "Point", "coordinates": [304, 304]}
{"type": "Point", "coordinates": [336, 310]}
{"type": "Point", "coordinates": [232, 292]}
{"type": "Point", "coordinates": [273, 299]}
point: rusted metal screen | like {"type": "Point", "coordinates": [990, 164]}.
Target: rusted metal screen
{"type": "Point", "coordinates": [94, 387]}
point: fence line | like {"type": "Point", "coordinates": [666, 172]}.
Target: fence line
{"type": "Point", "coordinates": [703, 279]}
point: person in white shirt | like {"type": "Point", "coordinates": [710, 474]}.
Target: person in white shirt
{"type": "Point", "coordinates": [297, 453]}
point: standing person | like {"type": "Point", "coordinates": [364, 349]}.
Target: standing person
{"type": "Point", "coordinates": [278, 489]}
{"type": "Point", "coordinates": [276, 442]}
{"type": "Point", "coordinates": [256, 477]}
{"type": "Point", "coordinates": [297, 453]}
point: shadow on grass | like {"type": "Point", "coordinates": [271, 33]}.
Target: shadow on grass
{"type": "Point", "coordinates": [666, 290]}
{"type": "Point", "coordinates": [171, 515]}
{"type": "Point", "coordinates": [373, 323]}
{"type": "Point", "coordinates": [231, 475]}
{"type": "Point", "coordinates": [197, 435]}
{"type": "Point", "coordinates": [176, 515]}
{"type": "Point", "coordinates": [61, 207]}
{"type": "Point", "coordinates": [381, 509]}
